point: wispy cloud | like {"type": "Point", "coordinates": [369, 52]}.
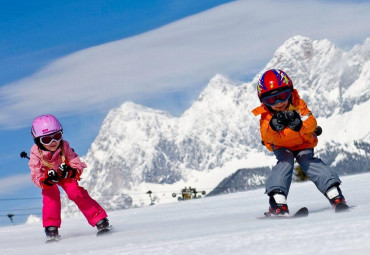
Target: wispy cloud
{"type": "Point", "coordinates": [233, 39]}
{"type": "Point", "coordinates": [13, 183]}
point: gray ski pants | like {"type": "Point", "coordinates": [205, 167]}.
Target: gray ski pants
{"type": "Point", "coordinates": [319, 173]}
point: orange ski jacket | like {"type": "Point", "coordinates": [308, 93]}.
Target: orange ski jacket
{"type": "Point", "coordinates": [288, 138]}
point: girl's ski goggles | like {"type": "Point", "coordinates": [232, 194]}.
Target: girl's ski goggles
{"type": "Point", "coordinates": [278, 98]}
{"type": "Point", "coordinates": [48, 139]}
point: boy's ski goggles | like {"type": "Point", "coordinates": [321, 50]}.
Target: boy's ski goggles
{"type": "Point", "coordinates": [278, 98]}
{"type": "Point", "coordinates": [48, 139]}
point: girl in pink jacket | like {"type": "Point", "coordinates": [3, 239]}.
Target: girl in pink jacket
{"type": "Point", "coordinates": [53, 163]}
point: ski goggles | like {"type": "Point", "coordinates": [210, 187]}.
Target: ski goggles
{"type": "Point", "coordinates": [48, 139]}
{"type": "Point", "coordinates": [278, 98]}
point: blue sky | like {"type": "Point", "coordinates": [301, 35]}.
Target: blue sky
{"type": "Point", "coordinates": [79, 59]}
{"type": "Point", "coordinates": [34, 33]}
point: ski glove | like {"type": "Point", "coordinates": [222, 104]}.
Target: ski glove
{"type": "Point", "coordinates": [294, 120]}
{"type": "Point", "coordinates": [278, 121]}
{"type": "Point", "coordinates": [65, 171]}
{"type": "Point", "coordinates": [51, 178]}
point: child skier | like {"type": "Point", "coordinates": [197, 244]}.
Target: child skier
{"type": "Point", "coordinates": [54, 163]}
{"type": "Point", "coordinates": [287, 128]}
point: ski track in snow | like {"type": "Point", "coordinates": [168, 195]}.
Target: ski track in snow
{"type": "Point", "coordinates": [223, 224]}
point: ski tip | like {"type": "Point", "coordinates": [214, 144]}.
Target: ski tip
{"type": "Point", "coordinates": [53, 240]}
{"type": "Point", "coordinates": [303, 212]}
{"type": "Point", "coordinates": [341, 207]}
{"type": "Point", "coordinates": [303, 209]}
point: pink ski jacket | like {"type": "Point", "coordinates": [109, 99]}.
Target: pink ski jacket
{"type": "Point", "coordinates": [39, 169]}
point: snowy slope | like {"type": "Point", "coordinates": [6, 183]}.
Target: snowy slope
{"type": "Point", "coordinates": [223, 224]}
{"type": "Point", "coordinates": [140, 149]}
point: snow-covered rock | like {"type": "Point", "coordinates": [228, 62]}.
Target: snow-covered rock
{"type": "Point", "coordinates": [32, 219]}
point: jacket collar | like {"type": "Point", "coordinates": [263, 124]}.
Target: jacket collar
{"type": "Point", "coordinates": [259, 110]}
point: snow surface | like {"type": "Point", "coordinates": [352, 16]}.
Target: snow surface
{"type": "Point", "coordinates": [223, 224]}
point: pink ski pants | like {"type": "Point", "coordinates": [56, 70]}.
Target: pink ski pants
{"type": "Point", "coordinates": [51, 209]}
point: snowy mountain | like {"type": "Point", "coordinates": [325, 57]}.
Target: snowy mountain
{"type": "Point", "coordinates": [224, 224]}
{"type": "Point", "coordinates": [140, 149]}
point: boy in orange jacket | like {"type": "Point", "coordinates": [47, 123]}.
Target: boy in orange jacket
{"type": "Point", "coordinates": [288, 129]}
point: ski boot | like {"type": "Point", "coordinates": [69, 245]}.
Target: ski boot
{"type": "Point", "coordinates": [103, 226]}
{"type": "Point", "coordinates": [52, 234]}
{"type": "Point", "coordinates": [278, 205]}
{"type": "Point", "coordinates": [336, 199]}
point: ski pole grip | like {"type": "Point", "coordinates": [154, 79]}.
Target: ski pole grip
{"type": "Point", "coordinates": [318, 131]}
{"type": "Point", "coordinates": [24, 155]}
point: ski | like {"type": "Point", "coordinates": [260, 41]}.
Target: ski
{"type": "Point", "coordinates": [52, 234]}
{"type": "Point", "coordinates": [302, 212]}
{"type": "Point", "coordinates": [341, 207]}
{"type": "Point", "coordinates": [104, 231]}
{"type": "Point", "coordinates": [53, 239]}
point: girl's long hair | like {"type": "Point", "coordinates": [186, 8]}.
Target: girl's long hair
{"type": "Point", "coordinates": [48, 164]}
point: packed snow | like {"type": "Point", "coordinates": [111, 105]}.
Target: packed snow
{"type": "Point", "coordinates": [225, 224]}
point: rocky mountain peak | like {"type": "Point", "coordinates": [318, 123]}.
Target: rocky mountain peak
{"type": "Point", "coordinates": [139, 146]}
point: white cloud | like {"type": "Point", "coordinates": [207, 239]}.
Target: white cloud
{"type": "Point", "coordinates": [233, 39]}
{"type": "Point", "coordinates": [13, 183]}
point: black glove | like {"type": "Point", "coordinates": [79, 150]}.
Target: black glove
{"type": "Point", "coordinates": [65, 171]}
{"type": "Point", "coordinates": [52, 178]}
{"type": "Point", "coordinates": [278, 121]}
{"type": "Point", "coordinates": [294, 120]}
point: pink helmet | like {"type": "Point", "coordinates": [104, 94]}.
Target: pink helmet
{"type": "Point", "coordinates": [44, 125]}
